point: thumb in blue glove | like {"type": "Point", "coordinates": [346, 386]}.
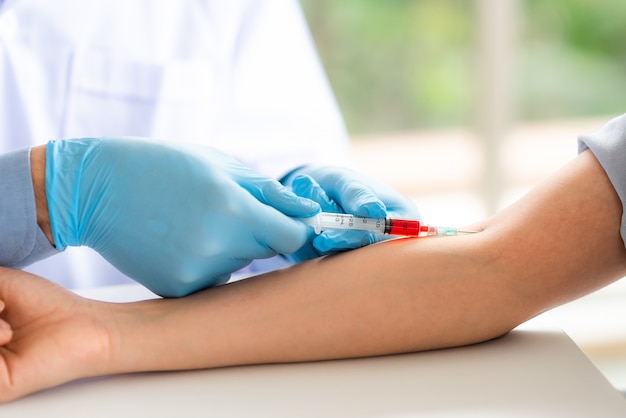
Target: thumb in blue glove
{"type": "Point", "coordinates": [176, 218]}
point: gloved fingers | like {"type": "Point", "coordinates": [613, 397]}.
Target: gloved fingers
{"type": "Point", "coordinates": [333, 241]}
{"type": "Point", "coordinates": [278, 233]}
{"type": "Point", "coordinates": [357, 198]}
{"type": "Point", "coordinates": [290, 204]}
{"type": "Point", "coordinates": [307, 252]}
{"type": "Point", "coordinates": [305, 186]}
{"type": "Point", "coordinates": [256, 249]}
{"type": "Point", "coordinates": [195, 275]}
{"type": "Point", "coordinates": [353, 195]}
{"type": "Point", "coordinates": [274, 194]}
{"type": "Point", "coordinates": [329, 241]}
{"type": "Point", "coordinates": [171, 287]}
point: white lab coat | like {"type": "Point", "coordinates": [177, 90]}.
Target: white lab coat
{"type": "Point", "coordinates": [240, 75]}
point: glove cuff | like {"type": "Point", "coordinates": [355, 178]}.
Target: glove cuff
{"type": "Point", "coordinates": [64, 164]}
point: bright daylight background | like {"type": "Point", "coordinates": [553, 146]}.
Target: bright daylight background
{"type": "Point", "coordinates": [466, 104]}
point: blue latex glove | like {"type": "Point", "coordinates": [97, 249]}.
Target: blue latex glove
{"type": "Point", "coordinates": [339, 189]}
{"type": "Point", "coordinates": [176, 218]}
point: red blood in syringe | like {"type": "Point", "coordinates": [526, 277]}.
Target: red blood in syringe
{"type": "Point", "coordinates": [404, 227]}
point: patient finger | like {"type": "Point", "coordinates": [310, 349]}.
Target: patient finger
{"type": "Point", "coordinates": [5, 329]}
{"type": "Point", "coordinates": [5, 332]}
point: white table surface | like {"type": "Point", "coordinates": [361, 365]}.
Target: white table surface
{"type": "Point", "coordinates": [535, 371]}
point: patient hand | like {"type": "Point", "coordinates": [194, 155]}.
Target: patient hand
{"type": "Point", "coordinates": [48, 335]}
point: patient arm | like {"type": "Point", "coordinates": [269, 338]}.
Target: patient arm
{"type": "Point", "coordinates": [557, 243]}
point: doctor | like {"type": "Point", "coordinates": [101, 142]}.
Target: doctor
{"type": "Point", "coordinates": [211, 79]}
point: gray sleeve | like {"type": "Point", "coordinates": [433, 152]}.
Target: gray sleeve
{"type": "Point", "coordinates": [608, 144]}
{"type": "Point", "coordinates": [21, 240]}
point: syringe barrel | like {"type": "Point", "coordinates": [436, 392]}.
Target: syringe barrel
{"type": "Point", "coordinates": [347, 221]}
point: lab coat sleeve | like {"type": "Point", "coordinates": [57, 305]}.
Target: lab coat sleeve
{"type": "Point", "coordinates": [21, 240]}
{"type": "Point", "coordinates": [608, 144]}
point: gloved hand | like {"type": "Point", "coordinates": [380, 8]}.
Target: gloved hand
{"type": "Point", "coordinates": [176, 218]}
{"type": "Point", "coordinates": [343, 190]}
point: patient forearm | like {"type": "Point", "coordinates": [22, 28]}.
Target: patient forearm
{"type": "Point", "coordinates": [403, 295]}
{"type": "Point", "coordinates": [562, 240]}
{"type": "Point", "coordinates": [343, 306]}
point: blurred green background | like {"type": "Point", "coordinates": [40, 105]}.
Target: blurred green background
{"type": "Point", "coordinates": [411, 64]}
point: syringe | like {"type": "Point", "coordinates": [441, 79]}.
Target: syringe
{"type": "Point", "coordinates": [412, 228]}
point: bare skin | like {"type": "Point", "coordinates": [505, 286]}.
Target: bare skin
{"type": "Point", "coordinates": [559, 242]}
{"type": "Point", "coordinates": [38, 174]}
